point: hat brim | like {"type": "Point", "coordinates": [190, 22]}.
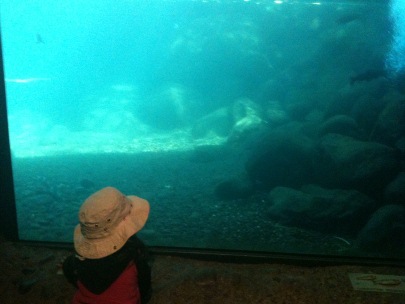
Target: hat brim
{"type": "Point", "coordinates": [99, 248]}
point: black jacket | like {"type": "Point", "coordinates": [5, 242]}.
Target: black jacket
{"type": "Point", "coordinates": [98, 274]}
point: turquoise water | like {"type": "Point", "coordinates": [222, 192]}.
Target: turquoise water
{"type": "Point", "coordinates": [274, 126]}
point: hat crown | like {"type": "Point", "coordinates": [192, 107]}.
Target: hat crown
{"type": "Point", "coordinates": [102, 212]}
{"type": "Point", "coordinates": [108, 219]}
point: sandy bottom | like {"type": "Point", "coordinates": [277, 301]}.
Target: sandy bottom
{"type": "Point", "coordinates": [30, 275]}
{"type": "Point", "coordinates": [180, 186]}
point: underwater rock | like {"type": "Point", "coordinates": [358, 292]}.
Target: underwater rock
{"type": "Point", "coordinates": [217, 123]}
{"type": "Point", "coordinates": [246, 116]}
{"type": "Point", "coordinates": [340, 124]}
{"type": "Point", "coordinates": [395, 191]}
{"type": "Point", "coordinates": [282, 157]}
{"type": "Point", "coordinates": [400, 145]}
{"type": "Point", "coordinates": [368, 75]}
{"type": "Point", "coordinates": [168, 108]}
{"type": "Point", "coordinates": [385, 231]}
{"type": "Point", "coordinates": [348, 163]}
{"type": "Point", "coordinates": [390, 125]}
{"type": "Point", "coordinates": [236, 188]}
{"type": "Point", "coordinates": [274, 114]}
{"type": "Point", "coordinates": [363, 102]}
{"type": "Point", "coordinates": [107, 120]}
{"type": "Point", "coordinates": [223, 59]}
{"type": "Point", "coordinates": [245, 107]}
{"type": "Point", "coordinates": [299, 108]}
{"type": "Point", "coordinates": [316, 208]}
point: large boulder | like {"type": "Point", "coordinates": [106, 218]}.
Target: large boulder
{"type": "Point", "coordinates": [400, 145]}
{"type": "Point", "coordinates": [274, 113]}
{"type": "Point", "coordinates": [167, 108]}
{"type": "Point", "coordinates": [105, 120]}
{"type": "Point", "coordinates": [340, 124]}
{"type": "Point", "coordinates": [395, 191]}
{"type": "Point", "coordinates": [215, 124]}
{"type": "Point", "coordinates": [343, 212]}
{"type": "Point", "coordinates": [283, 157]}
{"type": "Point", "coordinates": [390, 125]}
{"type": "Point", "coordinates": [247, 118]}
{"type": "Point", "coordinates": [385, 231]}
{"type": "Point", "coordinates": [344, 162]}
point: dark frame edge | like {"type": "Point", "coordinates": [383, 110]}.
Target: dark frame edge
{"type": "Point", "coordinates": [8, 214]}
{"type": "Point", "coordinates": [297, 259]}
{"type": "Point", "coordinates": [251, 257]}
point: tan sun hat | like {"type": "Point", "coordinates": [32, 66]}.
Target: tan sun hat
{"type": "Point", "coordinates": [108, 219]}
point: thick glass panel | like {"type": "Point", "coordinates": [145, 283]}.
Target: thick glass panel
{"type": "Point", "coordinates": [275, 126]}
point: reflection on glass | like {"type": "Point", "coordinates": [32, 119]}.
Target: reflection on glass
{"type": "Point", "coordinates": [273, 126]}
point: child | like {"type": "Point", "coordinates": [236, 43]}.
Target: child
{"type": "Point", "coordinates": [111, 263]}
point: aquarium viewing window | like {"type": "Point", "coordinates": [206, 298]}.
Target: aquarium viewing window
{"type": "Point", "coordinates": [250, 126]}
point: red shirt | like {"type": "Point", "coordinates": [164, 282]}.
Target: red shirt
{"type": "Point", "coordinates": [124, 290]}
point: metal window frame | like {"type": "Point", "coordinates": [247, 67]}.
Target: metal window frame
{"type": "Point", "coordinates": [8, 214]}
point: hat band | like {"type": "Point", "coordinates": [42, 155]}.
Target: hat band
{"type": "Point", "coordinates": [103, 228]}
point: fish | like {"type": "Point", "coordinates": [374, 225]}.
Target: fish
{"type": "Point", "coordinates": [39, 38]}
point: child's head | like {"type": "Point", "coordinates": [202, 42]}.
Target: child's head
{"type": "Point", "coordinates": [108, 219]}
